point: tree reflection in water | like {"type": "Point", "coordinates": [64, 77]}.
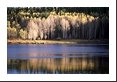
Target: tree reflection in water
{"type": "Point", "coordinates": [66, 65]}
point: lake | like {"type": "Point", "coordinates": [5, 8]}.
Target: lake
{"type": "Point", "coordinates": [57, 59]}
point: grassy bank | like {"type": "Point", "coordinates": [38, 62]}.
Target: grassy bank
{"type": "Point", "coordinates": [76, 41]}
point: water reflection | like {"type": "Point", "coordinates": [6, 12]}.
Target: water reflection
{"type": "Point", "coordinates": [65, 65]}
{"type": "Point", "coordinates": [56, 58]}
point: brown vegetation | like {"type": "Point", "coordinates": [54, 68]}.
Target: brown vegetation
{"type": "Point", "coordinates": [72, 41]}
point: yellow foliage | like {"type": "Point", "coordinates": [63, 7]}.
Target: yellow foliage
{"type": "Point", "coordinates": [23, 34]}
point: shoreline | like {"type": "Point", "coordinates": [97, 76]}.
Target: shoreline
{"type": "Point", "coordinates": [72, 41]}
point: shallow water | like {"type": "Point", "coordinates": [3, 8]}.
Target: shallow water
{"type": "Point", "coordinates": [57, 59]}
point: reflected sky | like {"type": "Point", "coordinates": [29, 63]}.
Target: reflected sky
{"type": "Point", "coordinates": [37, 51]}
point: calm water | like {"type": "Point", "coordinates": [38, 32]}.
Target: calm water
{"type": "Point", "coordinates": [57, 59]}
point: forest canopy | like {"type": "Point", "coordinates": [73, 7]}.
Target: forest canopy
{"type": "Point", "coordinates": [57, 23]}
